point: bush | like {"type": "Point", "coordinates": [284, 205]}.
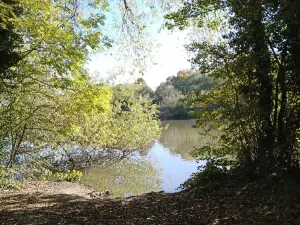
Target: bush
{"type": "Point", "coordinates": [207, 176]}
{"type": "Point", "coordinates": [7, 180]}
{"type": "Point", "coordinates": [71, 176]}
{"type": "Point", "coordinates": [39, 169]}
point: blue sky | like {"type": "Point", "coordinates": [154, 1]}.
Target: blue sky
{"type": "Point", "coordinates": [167, 58]}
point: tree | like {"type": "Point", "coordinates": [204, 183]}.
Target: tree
{"type": "Point", "coordinates": [49, 105]}
{"type": "Point", "coordinates": [35, 117]}
{"type": "Point", "coordinates": [188, 81]}
{"type": "Point", "coordinates": [8, 38]}
{"type": "Point", "coordinates": [172, 94]}
{"type": "Point", "coordinates": [170, 102]}
{"type": "Point", "coordinates": [134, 124]}
{"type": "Point", "coordinates": [104, 124]}
{"type": "Point", "coordinates": [145, 91]}
{"type": "Point", "coordinates": [46, 61]}
{"type": "Point", "coordinates": [255, 56]}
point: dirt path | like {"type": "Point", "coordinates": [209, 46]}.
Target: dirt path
{"type": "Point", "coordinates": [66, 203]}
{"type": "Point", "coordinates": [56, 188]}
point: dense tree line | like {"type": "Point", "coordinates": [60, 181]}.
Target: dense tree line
{"type": "Point", "coordinates": [49, 104]}
{"type": "Point", "coordinates": [256, 55]}
{"type": "Point", "coordinates": [171, 95]}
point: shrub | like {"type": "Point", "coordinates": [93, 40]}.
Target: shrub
{"type": "Point", "coordinates": [7, 180]}
{"type": "Point", "coordinates": [207, 176]}
{"type": "Point", "coordinates": [71, 176]}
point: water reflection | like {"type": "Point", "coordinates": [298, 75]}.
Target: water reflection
{"type": "Point", "coordinates": [181, 137]}
{"type": "Point", "coordinates": [165, 166]}
{"type": "Point", "coordinates": [175, 169]}
{"type": "Point", "coordinates": [129, 177]}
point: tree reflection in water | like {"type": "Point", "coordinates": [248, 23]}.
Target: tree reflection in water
{"type": "Point", "coordinates": [181, 137]}
{"type": "Point", "coordinates": [165, 165]}
{"type": "Point", "coordinates": [133, 176]}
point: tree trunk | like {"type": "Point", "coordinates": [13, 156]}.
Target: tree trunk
{"type": "Point", "coordinates": [288, 126]}
{"type": "Point", "coordinates": [262, 59]}
{"type": "Point", "coordinates": [282, 132]}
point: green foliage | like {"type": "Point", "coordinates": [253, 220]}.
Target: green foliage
{"type": "Point", "coordinates": [145, 90]}
{"type": "Point", "coordinates": [49, 105]}
{"type": "Point", "coordinates": [7, 178]}
{"type": "Point", "coordinates": [86, 117]}
{"type": "Point", "coordinates": [188, 81]}
{"type": "Point", "coordinates": [52, 28]}
{"type": "Point", "coordinates": [207, 176]}
{"type": "Point", "coordinates": [255, 56]}
{"type": "Point", "coordinates": [170, 102]}
{"type": "Point", "coordinates": [71, 176]}
{"type": "Point", "coordinates": [8, 39]}
{"type": "Point", "coordinates": [47, 101]}
{"type": "Point", "coordinates": [171, 95]}
{"type": "Point", "coordinates": [134, 123]}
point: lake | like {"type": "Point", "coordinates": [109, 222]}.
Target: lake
{"type": "Point", "coordinates": [164, 166]}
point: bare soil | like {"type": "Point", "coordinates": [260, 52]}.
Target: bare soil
{"type": "Point", "coordinates": [267, 202]}
{"type": "Point", "coordinates": [56, 188]}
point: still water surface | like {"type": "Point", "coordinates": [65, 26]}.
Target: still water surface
{"type": "Point", "coordinates": [164, 166]}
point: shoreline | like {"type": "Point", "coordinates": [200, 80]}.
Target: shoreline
{"type": "Point", "coordinates": [230, 203]}
{"type": "Point", "coordinates": [57, 188]}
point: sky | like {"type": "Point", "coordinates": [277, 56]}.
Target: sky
{"type": "Point", "coordinates": [169, 57]}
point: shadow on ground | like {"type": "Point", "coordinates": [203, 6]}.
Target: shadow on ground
{"type": "Point", "coordinates": [272, 201]}
{"type": "Point", "coordinates": [152, 208]}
